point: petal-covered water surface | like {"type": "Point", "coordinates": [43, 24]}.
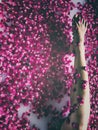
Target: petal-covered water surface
{"type": "Point", "coordinates": [34, 60]}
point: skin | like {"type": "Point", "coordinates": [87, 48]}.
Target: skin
{"type": "Point", "coordinates": [81, 116]}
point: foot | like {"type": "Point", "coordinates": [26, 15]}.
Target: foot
{"type": "Point", "coordinates": [79, 29]}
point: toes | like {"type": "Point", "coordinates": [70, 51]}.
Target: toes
{"type": "Point", "coordinates": [76, 18]}
{"type": "Point", "coordinates": [83, 21]}
{"type": "Point", "coordinates": [77, 24]}
{"type": "Point", "coordinates": [86, 24]}
{"type": "Point", "coordinates": [76, 15]}
{"type": "Point", "coordinates": [79, 21]}
{"type": "Point", "coordinates": [80, 17]}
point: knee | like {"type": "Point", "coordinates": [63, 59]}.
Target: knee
{"type": "Point", "coordinates": [83, 127]}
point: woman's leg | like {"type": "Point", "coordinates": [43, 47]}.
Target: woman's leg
{"type": "Point", "coordinates": [80, 90]}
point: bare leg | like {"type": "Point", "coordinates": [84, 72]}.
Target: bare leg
{"type": "Point", "coordinates": [79, 119]}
